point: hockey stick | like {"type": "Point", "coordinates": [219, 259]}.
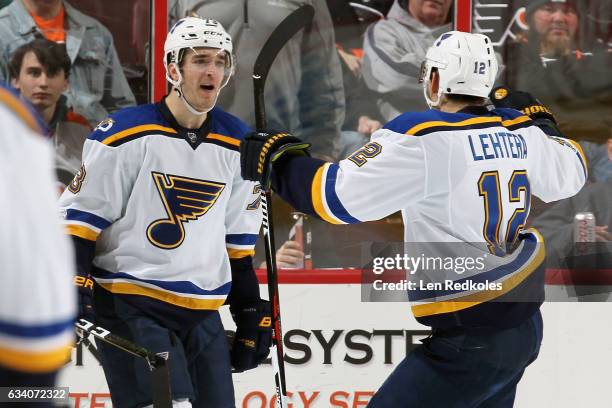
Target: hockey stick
{"type": "Point", "coordinates": [293, 23]}
{"type": "Point", "coordinates": [158, 362]}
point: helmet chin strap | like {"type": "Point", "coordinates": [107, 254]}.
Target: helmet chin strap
{"type": "Point", "coordinates": [432, 104]}
{"type": "Point", "coordinates": [190, 108]}
{"type": "Point", "coordinates": [178, 87]}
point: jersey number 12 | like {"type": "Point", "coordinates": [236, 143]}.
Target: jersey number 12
{"type": "Point", "coordinates": [489, 188]}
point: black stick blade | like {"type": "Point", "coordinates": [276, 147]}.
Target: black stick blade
{"type": "Point", "coordinates": [293, 23]}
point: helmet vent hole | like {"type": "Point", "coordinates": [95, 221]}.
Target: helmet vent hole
{"type": "Point", "coordinates": [448, 90]}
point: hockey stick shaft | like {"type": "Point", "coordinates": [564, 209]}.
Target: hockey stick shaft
{"type": "Point", "coordinates": [293, 23]}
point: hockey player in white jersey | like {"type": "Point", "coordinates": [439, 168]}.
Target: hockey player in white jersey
{"type": "Point", "coordinates": [37, 298]}
{"type": "Point", "coordinates": [463, 173]}
{"type": "Point", "coordinates": [165, 226]}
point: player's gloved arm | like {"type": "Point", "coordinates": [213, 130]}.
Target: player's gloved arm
{"type": "Point", "coordinates": [541, 116]}
{"type": "Point", "coordinates": [252, 315]}
{"type": "Point", "coordinates": [273, 158]}
{"type": "Point", "coordinates": [84, 253]}
{"type": "Point", "coordinates": [260, 150]}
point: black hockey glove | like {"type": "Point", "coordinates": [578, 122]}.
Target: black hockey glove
{"type": "Point", "coordinates": [85, 287]}
{"type": "Point", "coordinates": [253, 335]}
{"type": "Point", "coordinates": [259, 151]}
{"type": "Point", "coordinates": [542, 117]}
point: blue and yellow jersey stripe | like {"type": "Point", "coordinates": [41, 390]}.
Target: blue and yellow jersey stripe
{"type": "Point", "coordinates": [21, 110]}
{"type": "Point", "coordinates": [84, 225]}
{"type": "Point", "coordinates": [581, 157]}
{"type": "Point", "coordinates": [528, 259]}
{"type": "Point", "coordinates": [179, 293]}
{"type": "Point", "coordinates": [423, 123]}
{"type": "Point", "coordinates": [225, 139]}
{"type": "Point", "coordinates": [135, 132]}
{"type": "Point", "coordinates": [148, 120]}
{"type": "Point", "coordinates": [325, 200]}
{"type": "Point", "coordinates": [240, 245]}
{"type": "Point", "coordinates": [36, 348]}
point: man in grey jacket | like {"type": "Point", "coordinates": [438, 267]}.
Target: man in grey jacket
{"type": "Point", "coordinates": [394, 49]}
{"type": "Point", "coordinates": [304, 92]}
{"type": "Point", "coordinates": [97, 85]}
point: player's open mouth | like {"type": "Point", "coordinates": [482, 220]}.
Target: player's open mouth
{"type": "Point", "coordinates": [207, 87]}
{"type": "Point", "coordinates": [436, 3]}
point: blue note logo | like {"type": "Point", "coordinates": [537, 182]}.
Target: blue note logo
{"type": "Point", "coordinates": [185, 199]}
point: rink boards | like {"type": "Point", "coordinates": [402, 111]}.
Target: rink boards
{"type": "Point", "coordinates": [340, 349]}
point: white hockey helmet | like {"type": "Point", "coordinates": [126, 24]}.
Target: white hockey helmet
{"type": "Point", "coordinates": [465, 62]}
{"type": "Point", "coordinates": [192, 33]}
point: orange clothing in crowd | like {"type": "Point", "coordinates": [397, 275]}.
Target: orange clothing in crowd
{"type": "Point", "coordinates": [52, 29]}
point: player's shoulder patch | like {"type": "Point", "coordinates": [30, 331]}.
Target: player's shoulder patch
{"type": "Point", "coordinates": [22, 110]}
{"type": "Point", "coordinates": [129, 124]}
{"type": "Point", "coordinates": [226, 129]}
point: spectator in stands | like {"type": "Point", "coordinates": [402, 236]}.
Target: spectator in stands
{"type": "Point", "coordinates": [557, 223]}
{"type": "Point", "coordinates": [394, 49]}
{"type": "Point", "coordinates": [39, 70]}
{"type": "Point", "coordinates": [550, 62]}
{"type": "Point", "coordinates": [98, 85]}
{"type": "Point", "coordinates": [304, 92]}
{"type": "Point", "coordinates": [362, 117]}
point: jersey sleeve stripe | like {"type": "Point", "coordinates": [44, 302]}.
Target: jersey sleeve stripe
{"type": "Point", "coordinates": [87, 217]}
{"type": "Point", "coordinates": [239, 253]}
{"type": "Point", "coordinates": [82, 232]}
{"type": "Point", "coordinates": [113, 139]}
{"type": "Point", "coordinates": [36, 362]}
{"type": "Point", "coordinates": [534, 253]}
{"type": "Point", "coordinates": [125, 288]}
{"type": "Point", "coordinates": [18, 107]}
{"type": "Point", "coordinates": [241, 239]}
{"type": "Point", "coordinates": [332, 199]}
{"type": "Point", "coordinates": [225, 139]}
{"type": "Point", "coordinates": [318, 192]}
{"type": "Point", "coordinates": [581, 157]}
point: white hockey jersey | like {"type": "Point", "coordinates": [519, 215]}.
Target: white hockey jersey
{"type": "Point", "coordinates": [37, 298]}
{"type": "Point", "coordinates": [166, 209]}
{"type": "Point", "coordinates": [462, 177]}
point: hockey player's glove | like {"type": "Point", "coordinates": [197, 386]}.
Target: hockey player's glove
{"type": "Point", "coordinates": [253, 334]}
{"type": "Point", "coordinates": [85, 287]}
{"type": "Point", "coordinates": [259, 151]}
{"type": "Point", "coordinates": [542, 117]}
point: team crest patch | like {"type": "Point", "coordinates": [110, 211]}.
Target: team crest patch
{"type": "Point", "coordinates": [501, 93]}
{"type": "Point", "coordinates": [76, 183]}
{"type": "Point", "coordinates": [185, 199]}
{"type": "Point", "coordinates": [105, 125]}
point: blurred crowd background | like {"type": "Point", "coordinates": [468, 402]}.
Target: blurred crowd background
{"type": "Point", "coordinates": [342, 78]}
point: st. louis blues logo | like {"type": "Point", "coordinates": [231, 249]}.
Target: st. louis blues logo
{"type": "Point", "coordinates": [185, 199]}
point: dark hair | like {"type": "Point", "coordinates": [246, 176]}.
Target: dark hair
{"type": "Point", "coordinates": [51, 55]}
